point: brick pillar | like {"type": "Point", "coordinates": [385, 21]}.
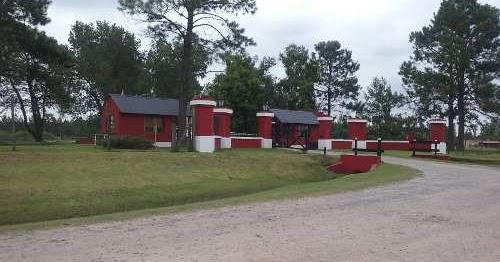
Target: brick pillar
{"type": "Point", "coordinates": [437, 129]}
{"type": "Point", "coordinates": [357, 129]}
{"type": "Point", "coordinates": [265, 128]}
{"type": "Point", "coordinates": [203, 124]}
{"type": "Point", "coordinates": [223, 129]}
{"type": "Point", "coordinates": [325, 132]}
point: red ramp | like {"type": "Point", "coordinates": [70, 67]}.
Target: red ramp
{"type": "Point", "coordinates": [351, 164]}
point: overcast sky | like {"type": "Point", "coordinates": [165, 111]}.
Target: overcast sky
{"type": "Point", "coordinates": [376, 31]}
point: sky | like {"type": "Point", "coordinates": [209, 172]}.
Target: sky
{"type": "Point", "coordinates": [376, 31]}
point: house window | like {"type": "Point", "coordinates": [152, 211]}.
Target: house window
{"type": "Point", "coordinates": [153, 123]}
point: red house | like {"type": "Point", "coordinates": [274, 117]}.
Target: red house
{"type": "Point", "coordinates": [150, 118]}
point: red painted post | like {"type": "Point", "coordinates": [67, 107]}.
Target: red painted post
{"type": "Point", "coordinates": [357, 129]}
{"type": "Point", "coordinates": [223, 127]}
{"type": "Point", "coordinates": [437, 128]}
{"type": "Point", "coordinates": [203, 124]}
{"type": "Point", "coordinates": [265, 128]}
{"type": "Point", "coordinates": [325, 132]}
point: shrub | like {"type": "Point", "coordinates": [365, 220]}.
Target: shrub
{"type": "Point", "coordinates": [128, 142]}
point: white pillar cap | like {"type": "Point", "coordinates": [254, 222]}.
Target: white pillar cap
{"type": "Point", "coordinates": [202, 102]}
{"type": "Point", "coordinates": [223, 110]}
{"type": "Point", "coordinates": [265, 114]}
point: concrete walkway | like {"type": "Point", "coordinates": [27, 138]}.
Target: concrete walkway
{"type": "Point", "coordinates": [450, 214]}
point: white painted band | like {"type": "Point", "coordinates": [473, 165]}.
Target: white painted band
{"type": "Point", "coordinates": [163, 144]}
{"type": "Point", "coordinates": [325, 143]}
{"type": "Point", "coordinates": [436, 121]}
{"type": "Point", "coordinates": [341, 140]}
{"type": "Point", "coordinates": [442, 147]}
{"type": "Point", "coordinates": [325, 118]}
{"type": "Point", "coordinates": [361, 144]}
{"type": "Point", "coordinates": [223, 110]}
{"type": "Point", "coordinates": [203, 103]}
{"type": "Point", "coordinates": [246, 138]}
{"type": "Point", "coordinates": [225, 143]}
{"type": "Point", "coordinates": [357, 121]}
{"type": "Point", "coordinates": [267, 143]}
{"type": "Point", "coordinates": [265, 114]}
{"type": "Point", "coordinates": [204, 144]}
{"type": "Point", "coordinates": [388, 141]}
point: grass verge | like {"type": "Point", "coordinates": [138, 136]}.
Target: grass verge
{"type": "Point", "coordinates": [470, 156]}
{"type": "Point", "coordinates": [50, 186]}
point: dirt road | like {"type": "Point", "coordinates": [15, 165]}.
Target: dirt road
{"type": "Point", "coordinates": [450, 214]}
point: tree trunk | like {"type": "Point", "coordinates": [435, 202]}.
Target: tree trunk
{"type": "Point", "coordinates": [329, 98]}
{"type": "Point", "coordinates": [38, 121]}
{"type": "Point", "coordinates": [187, 77]}
{"type": "Point", "coordinates": [461, 111]}
{"type": "Point", "coordinates": [450, 137]}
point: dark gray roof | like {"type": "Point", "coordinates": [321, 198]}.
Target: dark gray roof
{"type": "Point", "coordinates": [295, 117]}
{"type": "Point", "coordinates": [146, 105]}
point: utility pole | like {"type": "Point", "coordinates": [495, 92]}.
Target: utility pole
{"type": "Point", "coordinates": [13, 120]}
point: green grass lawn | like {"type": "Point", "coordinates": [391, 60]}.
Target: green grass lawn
{"type": "Point", "coordinates": [473, 156]}
{"type": "Point", "coordinates": [42, 183]}
{"type": "Point", "coordinates": [477, 156]}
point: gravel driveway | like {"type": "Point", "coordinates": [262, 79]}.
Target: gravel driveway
{"type": "Point", "coordinates": [450, 214]}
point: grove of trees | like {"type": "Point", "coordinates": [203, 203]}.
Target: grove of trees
{"type": "Point", "coordinates": [453, 72]}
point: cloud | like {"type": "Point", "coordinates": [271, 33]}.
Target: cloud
{"type": "Point", "coordinates": [376, 31]}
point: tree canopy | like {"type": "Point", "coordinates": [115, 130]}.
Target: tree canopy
{"type": "Point", "coordinates": [380, 104]}
{"type": "Point", "coordinates": [454, 63]}
{"type": "Point", "coordinates": [244, 87]}
{"type": "Point", "coordinates": [202, 23]}
{"type": "Point", "coordinates": [338, 85]}
{"type": "Point", "coordinates": [302, 72]}
{"type": "Point", "coordinates": [164, 66]}
{"type": "Point", "coordinates": [108, 61]}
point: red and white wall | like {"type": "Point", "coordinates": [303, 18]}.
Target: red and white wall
{"type": "Point", "coordinates": [357, 129]}
{"type": "Point", "coordinates": [203, 124]}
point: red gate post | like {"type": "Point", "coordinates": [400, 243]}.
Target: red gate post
{"type": "Point", "coordinates": [223, 127]}
{"type": "Point", "coordinates": [325, 132]}
{"type": "Point", "coordinates": [437, 127]}
{"type": "Point", "coordinates": [203, 124]}
{"type": "Point", "coordinates": [357, 129]}
{"type": "Point", "coordinates": [265, 128]}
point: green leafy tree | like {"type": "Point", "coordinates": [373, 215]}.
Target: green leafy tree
{"type": "Point", "coordinates": [15, 19]}
{"type": "Point", "coordinates": [108, 61]}
{"type": "Point", "coordinates": [491, 130]}
{"type": "Point", "coordinates": [164, 66]}
{"type": "Point", "coordinates": [192, 22]}
{"type": "Point", "coordinates": [302, 73]}
{"type": "Point", "coordinates": [244, 87]}
{"type": "Point", "coordinates": [32, 12]}
{"type": "Point", "coordinates": [34, 69]}
{"type": "Point", "coordinates": [338, 85]}
{"type": "Point", "coordinates": [40, 79]}
{"type": "Point", "coordinates": [380, 104]}
{"type": "Point", "coordinates": [455, 59]}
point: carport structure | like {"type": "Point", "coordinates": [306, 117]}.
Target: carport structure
{"type": "Point", "coordinates": [295, 129]}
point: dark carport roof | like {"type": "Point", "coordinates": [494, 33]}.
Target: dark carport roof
{"type": "Point", "coordinates": [295, 117]}
{"type": "Point", "coordinates": [146, 105]}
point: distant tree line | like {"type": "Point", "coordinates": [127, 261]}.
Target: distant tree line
{"type": "Point", "coordinates": [453, 71]}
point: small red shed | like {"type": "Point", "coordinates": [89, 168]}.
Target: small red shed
{"type": "Point", "coordinates": [150, 118]}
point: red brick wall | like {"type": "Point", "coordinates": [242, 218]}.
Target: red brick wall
{"type": "Point", "coordinates": [223, 127]}
{"type": "Point", "coordinates": [265, 127]}
{"type": "Point", "coordinates": [204, 117]}
{"type": "Point", "coordinates": [246, 142]}
{"type": "Point", "coordinates": [357, 130]}
{"type": "Point", "coordinates": [341, 144]}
